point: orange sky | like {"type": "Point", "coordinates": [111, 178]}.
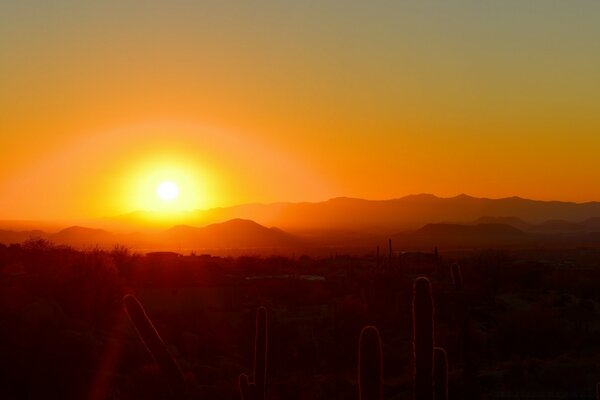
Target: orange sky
{"type": "Point", "coordinates": [272, 101]}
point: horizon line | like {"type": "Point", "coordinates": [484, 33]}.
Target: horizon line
{"type": "Point", "coordinates": [179, 212]}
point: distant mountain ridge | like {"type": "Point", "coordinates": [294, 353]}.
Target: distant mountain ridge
{"type": "Point", "coordinates": [451, 236]}
{"type": "Point", "coordinates": [247, 235]}
{"type": "Point", "coordinates": [499, 230]}
{"type": "Point", "coordinates": [237, 233]}
{"type": "Point", "coordinates": [549, 226]}
{"type": "Point", "coordinates": [511, 221]}
{"type": "Point", "coordinates": [339, 222]}
{"type": "Point", "coordinates": [351, 214]}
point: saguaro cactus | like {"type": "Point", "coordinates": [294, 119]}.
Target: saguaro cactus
{"type": "Point", "coordinates": [423, 339]}
{"type": "Point", "coordinates": [370, 366]}
{"type": "Point", "coordinates": [440, 373]}
{"type": "Point", "coordinates": [155, 345]}
{"type": "Point", "coordinates": [255, 389]}
{"type": "Point", "coordinates": [456, 274]}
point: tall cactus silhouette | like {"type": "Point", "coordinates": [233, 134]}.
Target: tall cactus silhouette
{"type": "Point", "coordinates": [440, 373]}
{"type": "Point", "coordinates": [456, 275]}
{"type": "Point", "coordinates": [255, 390]}
{"type": "Point", "coordinates": [155, 345]}
{"type": "Point", "coordinates": [370, 366]}
{"type": "Point", "coordinates": [423, 339]}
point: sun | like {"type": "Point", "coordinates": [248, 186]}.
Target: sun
{"type": "Point", "coordinates": [167, 190]}
{"type": "Point", "coordinates": [166, 186]}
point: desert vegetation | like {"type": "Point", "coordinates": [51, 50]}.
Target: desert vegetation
{"type": "Point", "coordinates": [116, 325]}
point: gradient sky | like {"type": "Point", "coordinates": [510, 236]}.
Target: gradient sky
{"type": "Point", "coordinates": [262, 101]}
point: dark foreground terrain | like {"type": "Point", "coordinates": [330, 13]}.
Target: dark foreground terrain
{"type": "Point", "coordinates": [523, 325]}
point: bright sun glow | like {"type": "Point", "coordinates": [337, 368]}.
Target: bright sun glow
{"type": "Point", "coordinates": [166, 185]}
{"type": "Point", "coordinates": [167, 190]}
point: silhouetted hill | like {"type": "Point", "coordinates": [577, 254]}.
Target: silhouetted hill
{"type": "Point", "coordinates": [511, 221]}
{"type": "Point", "coordinates": [470, 230]}
{"type": "Point", "coordinates": [9, 236]}
{"type": "Point", "coordinates": [463, 236]}
{"type": "Point", "coordinates": [236, 233]}
{"type": "Point", "coordinates": [559, 226]}
{"type": "Point", "coordinates": [78, 236]}
{"type": "Point", "coordinates": [593, 224]}
{"type": "Point", "coordinates": [552, 226]}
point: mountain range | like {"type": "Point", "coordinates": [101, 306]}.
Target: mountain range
{"type": "Point", "coordinates": [233, 234]}
{"type": "Point", "coordinates": [415, 221]}
{"type": "Point", "coordinates": [406, 213]}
